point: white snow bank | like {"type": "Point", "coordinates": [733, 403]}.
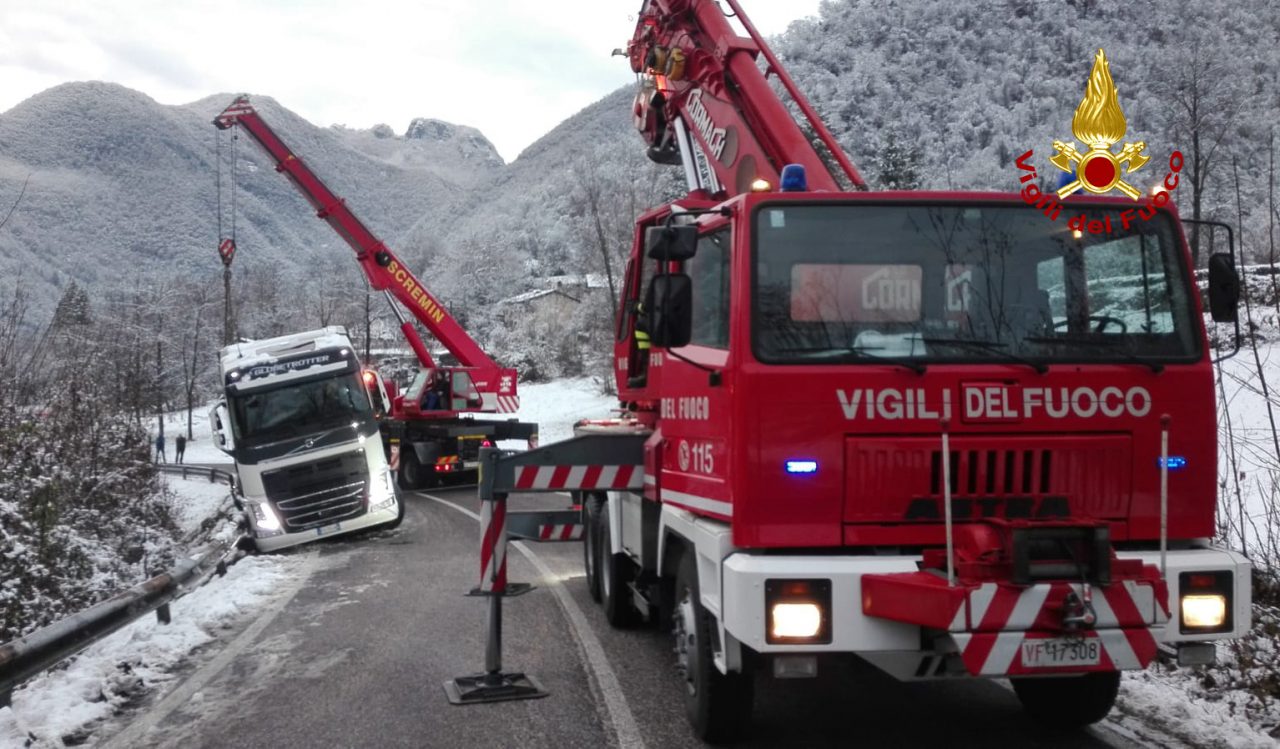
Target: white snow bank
{"type": "Point", "coordinates": [555, 406]}
{"type": "Point", "coordinates": [195, 501]}
{"type": "Point", "coordinates": [139, 657]}
{"type": "Point", "coordinates": [1162, 701]}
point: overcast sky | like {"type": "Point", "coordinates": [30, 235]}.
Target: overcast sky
{"type": "Point", "coordinates": [513, 68]}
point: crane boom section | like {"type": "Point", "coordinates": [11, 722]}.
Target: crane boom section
{"type": "Point", "coordinates": [700, 74]}
{"type": "Point", "coordinates": [384, 270]}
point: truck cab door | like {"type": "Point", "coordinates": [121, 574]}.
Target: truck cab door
{"type": "Point", "coordinates": [220, 426]}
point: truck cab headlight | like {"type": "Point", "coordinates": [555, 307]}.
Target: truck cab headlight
{"type": "Point", "coordinates": [1204, 601]}
{"type": "Point", "coordinates": [265, 520]}
{"type": "Point", "coordinates": [797, 612]}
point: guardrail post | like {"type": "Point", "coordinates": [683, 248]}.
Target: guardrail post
{"type": "Point", "coordinates": [162, 614]}
{"type": "Point", "coordinates": [493, 685]}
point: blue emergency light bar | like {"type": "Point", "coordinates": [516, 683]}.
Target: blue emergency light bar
{"type": "Point", "coordinates": [802, 466]}
{"type": "Point", "coordinates": [1175, 462]}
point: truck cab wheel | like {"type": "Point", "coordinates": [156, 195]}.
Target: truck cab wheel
{"type": "Point", "coordinates": [615, 572]}
{"type": "Point", "coordinates": [718, 705]}
{"type": "Point", "coordinates": [1069, 701]}
{"type": "Point", "coordinates": [591, 544]}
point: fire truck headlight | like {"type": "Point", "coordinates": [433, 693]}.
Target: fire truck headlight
{"type": "Point", "coordinates": [795, 620]}
{"type": "Point", "coordinates": [1204, 612]}
{"type": "Point", "coordinates": [1204, 599]}
{"type": "Point", "coordinates": [797, 612]}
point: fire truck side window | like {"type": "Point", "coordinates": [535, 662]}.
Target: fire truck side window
{"type": "Point", "coordinates": [709, 270]}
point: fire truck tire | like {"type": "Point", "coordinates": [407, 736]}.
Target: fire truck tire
{"type": "Point", "coordinates": [615, 572]}
{"type": "Point", "coordinates": [591, 504]}
{"type": "Point", "coordinates": [1069, 702]}
{"type": "Point", "coordinates": [718, 705]}
{"type": "Point", "coordinates": [411, 475]}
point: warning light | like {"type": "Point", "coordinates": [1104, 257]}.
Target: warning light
{"type": "Point", "coordinates": [486, 443]}
{"type": "Point", "coordinates": [760, 185]}
{"type": "Point", "coordinates": [1174, 462]}
{"type": "Point", "coordinates": [802, 466]}
{"type": "Point", "coordinates": [794, 178]}
{"type": "Point", "coordinates": [369, 377]}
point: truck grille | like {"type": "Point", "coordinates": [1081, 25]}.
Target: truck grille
{"type": "Point", "coordinates": [892, 479]}
{"type": "Point", "coordinates": [323, 492]}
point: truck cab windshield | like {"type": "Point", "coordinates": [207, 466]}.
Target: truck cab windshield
{"type": "Point", "coordinates": [299, 409]}
{"type": "Point", "coordinates": [850, 283]}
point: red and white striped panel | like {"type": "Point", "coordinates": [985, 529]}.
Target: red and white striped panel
{"type": "Point", "coordinates": [394, 460]}
{"type": "Point", "coordinates": [508, 404]}
{"type": "Point", "coordinates": [991, 629]}
{"type": "Point", "coordinates": [555, 478]}
{"type": "Point", "coordinates": [493, 547]}
{"type": "Point", "coordinates": [563, 532]}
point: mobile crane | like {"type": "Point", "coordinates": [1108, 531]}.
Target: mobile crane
{"type": "Point", "coordinates": [932, 430]}
{"type": "Point", "coordinates": [430, 431]}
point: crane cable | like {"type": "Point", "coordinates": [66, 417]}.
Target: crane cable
{"type": "Point", "coordinates": [235, 136]}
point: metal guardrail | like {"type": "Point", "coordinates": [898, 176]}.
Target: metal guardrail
{"type": "Point", "coordinates": [215, 475]}
{"type": "Point", "coordinates": [27, 656]}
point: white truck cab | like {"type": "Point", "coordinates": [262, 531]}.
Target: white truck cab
{"type": "Point", "coordinates": [300, 423]}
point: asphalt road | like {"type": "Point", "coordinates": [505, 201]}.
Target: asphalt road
{"type": "Point", "coordinates": [359, 653]}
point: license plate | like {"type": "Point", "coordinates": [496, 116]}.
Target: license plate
{"type": "Point", "coordinates": [328, 529]}
{"type": "Point", "coordinates": [1061, 652]}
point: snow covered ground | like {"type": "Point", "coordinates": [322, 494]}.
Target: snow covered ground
{"type": "Point", "coordinates": [112, 673]}
{"type": "Point", "coordinates": [555, 406]}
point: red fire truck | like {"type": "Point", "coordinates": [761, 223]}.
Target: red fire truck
{"type": "Point", "coordinates": [431, 433]}
{"type": "Point", "coordinates": [936, 431]}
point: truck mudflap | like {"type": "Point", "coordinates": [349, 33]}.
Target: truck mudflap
{"type": "Point", "coordinates": [1004, 615]}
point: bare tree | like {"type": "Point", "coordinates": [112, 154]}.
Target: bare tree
{"type": "Point", "coordinates": [16, 201]}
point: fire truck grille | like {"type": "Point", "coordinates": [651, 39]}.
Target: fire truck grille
{"type": "Point", "coordinates": [993, 473]}
{"type": "Point", "coordinates": [327, 491]}
{"type": "Point", "coordinates": [891, 479]}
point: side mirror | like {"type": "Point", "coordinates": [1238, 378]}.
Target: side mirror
{"type": "Point", "coordinates": [220, 425]}
{"type": "Point", "coordinates": [676, 243]}
{"type": "Point", "coordinates": [1224, 288]}
{"type": "Point", "coordinates": [670, 306]}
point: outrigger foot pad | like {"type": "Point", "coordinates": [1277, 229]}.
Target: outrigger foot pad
{"type": "Point", "coordinates": [495, 687]}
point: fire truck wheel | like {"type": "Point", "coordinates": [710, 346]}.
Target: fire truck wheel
{"type": "Point", "coordinates": [718, 705]}
{"type": "Point", "coordinates": [411, 475]}
{"type": "Point", "coordinates": [615, 572]}
{"type": "Point", "coordinates": [1069, 702]}
{"type": "Point", "coordinates": [591, 544]}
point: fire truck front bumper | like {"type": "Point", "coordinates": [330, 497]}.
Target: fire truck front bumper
{"type": "Point", "coordinates": [915, 625]}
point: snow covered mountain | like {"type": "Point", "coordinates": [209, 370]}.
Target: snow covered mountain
{"type": "Point", "coordinates": [118, 186]}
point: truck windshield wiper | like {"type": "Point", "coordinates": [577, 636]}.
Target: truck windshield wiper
{"type": "Point", "coordinates": [1155, 367]}
{"type": "Point", "coordinates": [991, 346]}
{"type": "Point", "coordinates": [862, 352]}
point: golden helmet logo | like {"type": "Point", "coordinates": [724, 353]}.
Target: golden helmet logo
{"type": "Point", "coordinates": [1099, 124]}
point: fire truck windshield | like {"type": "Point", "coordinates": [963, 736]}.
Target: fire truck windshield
{"type": "Point", "coordinates": [853, 283]}
{"type": "Point", "coordinates": [299, 409]}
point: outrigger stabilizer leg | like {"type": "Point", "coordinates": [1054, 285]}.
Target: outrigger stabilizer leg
{"type": "Point", "coordinates": [493, 685]}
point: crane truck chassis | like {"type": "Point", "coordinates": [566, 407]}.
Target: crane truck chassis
{"type": "Point", "coordinates": [930, 430]}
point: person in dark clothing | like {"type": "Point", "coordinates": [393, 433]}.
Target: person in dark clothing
{"type": "Point", "coordinates": [160, 458]}
{"type": "Point", "coordinates": [179, 448]}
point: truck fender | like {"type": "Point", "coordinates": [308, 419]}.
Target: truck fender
{"type": "Point", "coordinates": [425, 452]}
{"type": "Point", "coordinates": [615, 522]}
{"type": "Point", "coordinates": [680, 532]}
